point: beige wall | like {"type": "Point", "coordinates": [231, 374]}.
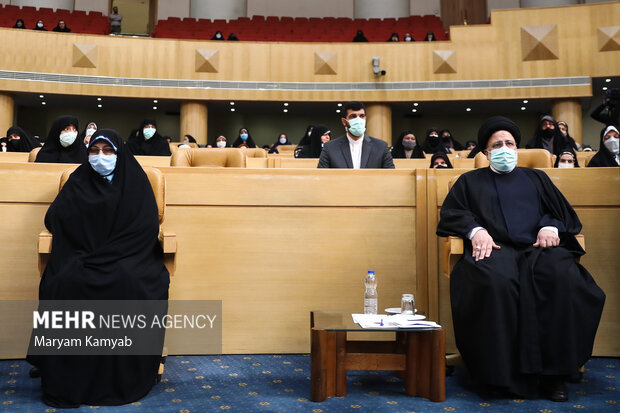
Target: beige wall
{"type": "Point", "coordinates": [135, 16]}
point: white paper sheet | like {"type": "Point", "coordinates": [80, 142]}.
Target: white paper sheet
{"type": "Point", "coordinates": [375, 321]}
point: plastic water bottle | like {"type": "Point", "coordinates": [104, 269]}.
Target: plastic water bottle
{"type": "Point", "coordinates": [370, 296]}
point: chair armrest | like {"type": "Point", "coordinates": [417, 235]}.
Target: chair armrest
{"type": "Point", "coordinates": [45, 242]}
{"type": "Point", "coordinates": [581, 240]}
{"type": "Point", "coordinates": [168, 242]}
{"type": "Point", "coordinates": [450, 248]}
{"type": "Point", "coordinates": [45, 249]}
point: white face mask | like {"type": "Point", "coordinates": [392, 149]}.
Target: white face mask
{"type": "Point", "coordinates": [148, 132]}
{"type": "Point", "coordinates": [103, 164]}
{"type": "Point", "coordinates": [221, 144]}
{"type": "Point", "coordinates": [612, 145]}
{"type": "Point", "coordinates": [282, 141]}
{"type": "Point", "coordinates": [565, 165]}
{"type": "Point", "coordinates": [67, 138]}
{"type": "Point", "coordinates": [39, 25]}
{"type": "Point", "coordinates": [90, 131]}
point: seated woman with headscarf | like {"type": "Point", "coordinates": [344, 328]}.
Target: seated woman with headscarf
{"type": "Point", "coordinates": [432, 144]}
{"type": "Point", "coordinates": [189, 139]}
{"type": "Point", "coordinates": [61, 144]}
{"type": "Point", "coordinates": [567, 159]}
{"type": "Point", "coordinates": [318, 138]}
{"type": "Point", "coordinates": [105, 246]}
{"type": "Point", "coordinates": [449, 142]}
{"type": "Point", "coordinates": [19, 24]}
{"type": "Point", "coordinates": [85, 135]}
{"type": "Point", "coordinates": [406, 146]}
{"type": "Point", "coordinates": [282, 140]}
{"type": "Point", "coordinates": [440, 160]}
{"type": "Point", "coordinates": [244, 140]}
{"type": "Point", "coordinates": [18, 140]}
{"type": "Point", "coordinates": [607, 155]}
{"type": "Point", "coordinates": [147, 141]}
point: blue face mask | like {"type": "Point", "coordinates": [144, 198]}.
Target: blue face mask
{"type": "Point", "coordinates": [103, 164]}
{"type": "Point", "coordinates": [244, 136]}
{"type": "Point", "coordinates": [357, 126]}
{"type": "Point", "coordinates": [504, 159]}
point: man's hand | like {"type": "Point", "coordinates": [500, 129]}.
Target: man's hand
{"type": "Point", "coordinates": [547, 239]}
{"type": "Point", "coordinates": [483, 244]}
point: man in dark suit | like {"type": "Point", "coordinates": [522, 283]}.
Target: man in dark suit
{"type": "Point", "coordinates": [355, 149]}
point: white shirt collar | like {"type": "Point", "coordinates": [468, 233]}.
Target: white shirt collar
{"type": "Point", "coordinates": [355, 146]}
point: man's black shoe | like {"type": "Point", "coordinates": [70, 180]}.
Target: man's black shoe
{"type": "Point", "coordinates": [555, 390]}
{"type": "Point", "coordinates": [35, 372]}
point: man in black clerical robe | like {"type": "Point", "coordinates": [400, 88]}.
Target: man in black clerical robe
{"type": "Point", "coordinates": [525, 313]}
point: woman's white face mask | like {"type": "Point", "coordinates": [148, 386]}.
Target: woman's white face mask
{"type": "Point", "coordinates": [67, 138]}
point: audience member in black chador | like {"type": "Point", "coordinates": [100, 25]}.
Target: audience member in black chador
{"type": "Point", "coordinates": [432, 144]}
{"type": "Point", "coordinates": [394, 38]}
{"type": "Point", "coordinates": [525, 314]}
{"type": "Point", "coordinates": [218, 35]}
{"type": "Point", "coordinates": [85, 135]}
{"type": "Point", "coordinates": [61, 27]}
{"type": "Point", "coordinates": [608, 113]}
{"type": "Point", "coordinates": [62, 144]}
{"type": "Point", "coordinates": [40, 26]}
{"type": "Point", "coordinates": [548, 136]}
{"type": "Point", "coordinates": [18, 140]}
{"type": "Point", "coordinates": [105, 227]}
{"type": "Point", "coordinates": [430, 36]}
{"type": "Point", "coordinates": [470, 145]}
{"type": "Point", "coordinates": [408, 38]}
{"type": "Point", "coordinates": [244, 139]}
{"type": "Point", "coordinates": [563, 127]}
{"type": "Point", "coordinates": [19, 24]}
{"type": "Point", "coordinates": [567, 159]}
{"type": "Point", "coordinates": [147, 141]}
{"type": "Point", "coordinates": [318, 138]}
{"type": "Point", "coordinates": [233, 37]}
{"type": "Point", "coordinates": [449, 142]}
{"type": "Point", "coordinates": [607, 154]}
{"type": "Point", "coordinates": [305, 140]}
{"type": "Point", "coordinates": [282, 140]}
{"type": "Point", "coordinates": [406, 146]}
{"type": "Point", "coordinates": [359, 37]}
{"type": "Point", "coordinates": [440, 160]}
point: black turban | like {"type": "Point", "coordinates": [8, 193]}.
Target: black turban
{"type": "Point", "coordinates": [494, 124]}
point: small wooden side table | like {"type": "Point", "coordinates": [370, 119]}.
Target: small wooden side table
{"type": "Point", "coordinates": [420, 354]}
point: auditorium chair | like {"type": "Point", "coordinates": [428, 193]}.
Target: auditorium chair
{"type": "Point", "coordinates": [32, 156]}
{"type": "Point", "coordinates": [584, 158]}
{"type": "Point", "coordinates": [209, 157]}
{"type": "Point", "coordinates": [451, 250]}
{"type": "Point", "coordinates": [529, 158]}
{"type": "Point", "coordinates": [167, 239]}
{"type": "Point", "coordinates": [254, 152]}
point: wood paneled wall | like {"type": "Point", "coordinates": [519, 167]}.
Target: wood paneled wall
{"type": "Point", "coordinates": [482, 52]}
{"type": "Point", "coordinates": [278, 243]}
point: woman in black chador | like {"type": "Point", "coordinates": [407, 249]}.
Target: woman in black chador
{"type": "Point", "coordinates": [20, 141]}
{"type": "Point", "coordinates": [105, 246]}
{"type": "Point", "coordinates": [62, 145]}
{"type": "Point", "coordinates": [147, 141]}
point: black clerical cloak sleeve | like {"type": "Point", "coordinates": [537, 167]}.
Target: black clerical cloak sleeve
{"type": "Point", "coordinates": [457, 216]}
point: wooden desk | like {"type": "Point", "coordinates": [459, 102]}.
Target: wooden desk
{"type": "Point", "coordinates": [419, 354]}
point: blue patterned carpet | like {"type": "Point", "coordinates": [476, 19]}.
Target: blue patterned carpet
{"type": "Point", "coordinates": [281, 383]}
